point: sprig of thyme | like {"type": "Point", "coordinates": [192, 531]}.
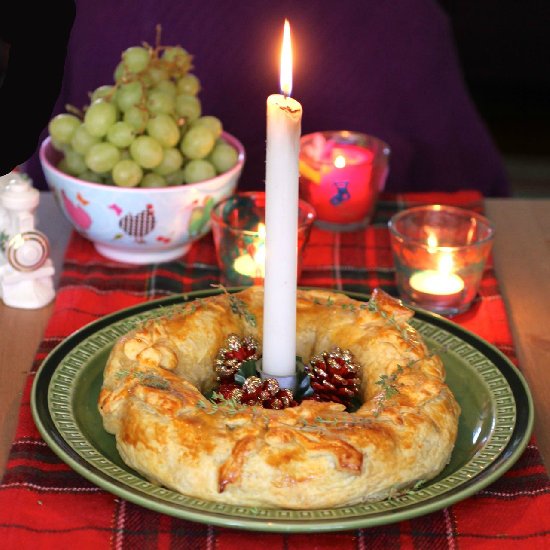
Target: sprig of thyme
{"type": "Point", "coordinates": [403, 329]}
{"type": "Point", "coordinates": [238, 307]}
{"type": "Point", "coordinates": [396, 494]}
{"type": "Point", "coordinates": [149, 379]}
{"type": "Point", "coordinates": [416, 486]}
{"type": "Point", "coordinates": [218, 401]}
{"type": "Point", "coordinates": [388, 383]}
{"type": "Point", "coordinates": [353, 308]}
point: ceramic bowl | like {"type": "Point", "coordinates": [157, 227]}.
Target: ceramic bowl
{"type": "Point", "coordinates": [139, 225]}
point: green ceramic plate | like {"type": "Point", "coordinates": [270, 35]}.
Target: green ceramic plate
{"type": "Point", "coordinates": [495, 426]}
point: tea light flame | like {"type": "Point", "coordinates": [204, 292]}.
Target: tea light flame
{"type": "Point", "coordinates": [261, 231]}
{"type": "Point", "coordinates": [432, 242]}
{"type": "Point", "coordinates": [445, 264]}
{"type": "Point", "coordinates": [340, 161]}
{"type": "Point", "coordinates": [253, 265]}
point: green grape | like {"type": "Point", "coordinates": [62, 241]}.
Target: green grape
{"type": "Point", "coordinates": [62, 165]}
{"type": "Point", "coordinates": [157, 73]}
{"type": "Point", "coordinates": [99, 117]}
{"type": "Point", "coordinates": [188, 107]}
{"type": "Point", "coordinates": [88, 175]}
{"type": "Point", "coordinates": [127, 173]}
{"type": "Point", "coordinates": [147, 81]}
{"type": "Point", "coordinates": [197, 142]}
{"type": "Point", "coordinates": [171, 162]}
{"type": "Point", "coordinates": [146, 151]}
{"type": "Point", "coordinates": [82, 140]}
{"type": "Point", "coordinates": [175, 178]}
{"type": "Point", "coordinates": [178, 58]}
{"type": "Point", "coordinates": [108, 179]}
{"type": "Point", "coordinates": [59, 146]}
{"type": "Point", "coordinates": [152, 180]}
{"type": "Point", "coordinates": [164, 129]}
{"type": "Point", "coordinates": [223, 157]}
{"type": "Point", "coordinates": [189, 84]}
{"type": "Point", "coordinates": [136, 59]}
{"type": "Point", "coordinates": [172, 53]}
{"type": "Point", "coordinates": [167, 86]}
{"type": "Point", "coordinates": [129, 94]}
{"type": "Point", "coordinates": [120, 71]}
{"type": "Point", "coordinates": [212, 123]}
{"type": "Point", "coordinates": [121, 134]}
{"type": "Point", "coordinates": [160, 102]}
{"type": "Point", "coordinates": [198, 170]}
{"type": "Point", "coordinates": [101, 92]}
{"type": "Point", "coordinates": [74, 162]}
{"type": "Point", "coordinates": [62, 127]}
{"type": "Point", "coordinates": [102, 157]}
{"type": "Point", "coordinates": [137, 118]}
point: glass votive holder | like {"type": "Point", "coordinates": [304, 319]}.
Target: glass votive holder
{"type": "Point", "coordinates": [341, 176]}
{"type": "Point", "coordinates": [238, 227]}
{"type": "Point", "coordinates": [439, 254]}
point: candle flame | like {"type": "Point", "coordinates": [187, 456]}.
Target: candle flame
{"type": "Point", "coordinates": [432, 241]}
{"type": "Point", "coordinates": [446, 264]}
{"type": "Point", "coordinates": [340, 161]}
{"type": "Point", "coordinates": [286, 61]}
{"type": "Point", "coordinates": [445, 261]}
{"type": "Point", "coordinates": [252, 264]}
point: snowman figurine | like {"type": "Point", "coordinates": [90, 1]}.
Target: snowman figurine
{"type": "Point", "coordinates": [26, 271]}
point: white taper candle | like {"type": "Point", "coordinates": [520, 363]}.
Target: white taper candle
{"type": "Point", "coordinates": [284, 117]}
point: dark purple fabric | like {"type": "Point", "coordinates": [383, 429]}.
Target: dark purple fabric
{"type": "Point", "coordinates": [385, 68]}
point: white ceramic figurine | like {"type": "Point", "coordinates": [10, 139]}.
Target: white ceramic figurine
{"type": "Point", "coordinates": [26, 271]}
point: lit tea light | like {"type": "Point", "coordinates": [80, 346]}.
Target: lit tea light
{"type": "Point", "coordinates": [253, 265]}
{"type": "Point", "coordinates": [437, 283]}
{"type": "Point", "coordinates": [440, 282]}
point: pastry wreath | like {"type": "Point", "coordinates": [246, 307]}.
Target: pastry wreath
{"type": "Point", "coordinates": [315, 455]}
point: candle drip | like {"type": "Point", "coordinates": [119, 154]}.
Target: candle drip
{"type": "Point", "coordinates": [289, 109]}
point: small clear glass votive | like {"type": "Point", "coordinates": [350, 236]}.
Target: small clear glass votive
{"type": "Point", "coordinates": [341, 176]}
{"type": "Point", "coordinates": [238, 227]}
{"type": "Point", "coordinates": [439, 254]}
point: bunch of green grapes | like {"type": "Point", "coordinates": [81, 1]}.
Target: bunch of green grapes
{"type": "Point", "coordinates": [145, 130]}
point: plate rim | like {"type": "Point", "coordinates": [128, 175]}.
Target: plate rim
{"type": "Point", "coordinates": [505, 460]}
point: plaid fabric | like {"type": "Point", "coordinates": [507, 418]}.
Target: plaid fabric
{"type": "Point", "coordinates": [45, 504]}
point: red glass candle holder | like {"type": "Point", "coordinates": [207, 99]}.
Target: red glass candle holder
{"type": "Point", "coordinates": [341, 176]}
{"type": "Point", "coordinates": [238, 227]}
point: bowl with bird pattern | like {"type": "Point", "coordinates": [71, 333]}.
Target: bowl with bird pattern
{"type": "Point", "coordinates": [139, 225]}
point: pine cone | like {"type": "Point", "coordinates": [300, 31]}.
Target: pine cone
{"type": "Point", "coordinates": [266, 393]}
{"type": "Point", "coordinates": [333, 376]}
{"type": "Point", "coordinates": [236, 351]}
{"type": "Point", "coordinates": [230, 392]}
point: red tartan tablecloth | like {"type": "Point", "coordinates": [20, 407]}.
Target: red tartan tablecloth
{"type": "Point", "coordinates": [45, 504]}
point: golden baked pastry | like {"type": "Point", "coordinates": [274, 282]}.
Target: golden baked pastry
{"type": "Point", "coordinates": [315, 455]}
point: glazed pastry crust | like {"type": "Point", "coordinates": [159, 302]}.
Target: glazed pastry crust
{"type": "Point", "coordinates": [315, 455]}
